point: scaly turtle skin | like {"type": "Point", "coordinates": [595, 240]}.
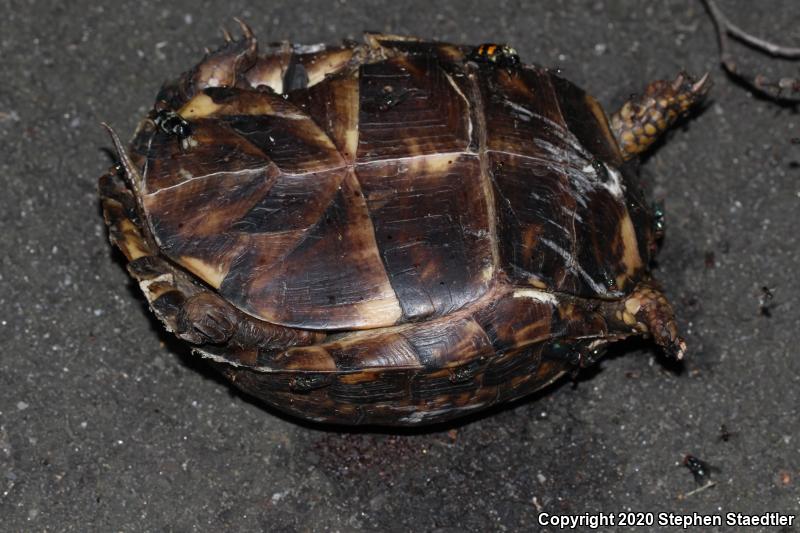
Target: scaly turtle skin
{"type": "Point", "coordinates": [398, 232]}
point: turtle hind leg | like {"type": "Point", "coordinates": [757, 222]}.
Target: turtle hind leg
{"type": "Point", "coordinates": [222, 67]}
{"type": "Point", "coordinates": [646, 310]}
{"type": "Point", "coordinates": [643, 118]}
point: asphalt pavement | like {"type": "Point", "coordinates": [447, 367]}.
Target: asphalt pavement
{"type": "Point", "coordinates": [108, 425]}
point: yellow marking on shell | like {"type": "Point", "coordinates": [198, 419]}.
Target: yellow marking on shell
{"type": "Point", "coordinates": [211, 274]}
{"type": "Point", "coordinates": [351, 143]}
{"type": "Point", "coordinates": [602, 121]}
{"type": "Point", "coordinates": [630, 250]}
{"type": "Point", "coordinates": [345, 129]}
{"type": "Point", "coordinates": [374, 39]}
{"type": "Point", "coordinates": [306, 358]}
{"type": "Point", "coordinates": [272, 78]}
{"type": "Point", "coordinates": [383, 307]}
{"type": "Point", "coordinates": [200, 106]}
{"type": "Point", "coordinates": [650, 130]}
{"type": "Point", "coordinates": [536, 282]}
{"type": "Point", "coordinates": [132, 245]}
{"type": "Point", "coordinates": [358, 377]}
{"type": "Point", "coordinates": [156, 287]}
{"type": "Point", "coordinates": [386, 305]}
{"type": "Point", "coordinates": [330, 63]}
{"type": "Point", "coordinates": [324, 140]}
{"type": "Point", "coordinates": [203, 106]}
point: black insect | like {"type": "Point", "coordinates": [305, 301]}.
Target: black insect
{"type": "Point", "coordinates": [699, 469]}
{"type": "Point", "coordinates": [725, 434]}
{"type": "Point", "coordinates": [765, 303]}
{"type": "Point", "coordinates": [501, 55]}
{"type": "Point", "coordinates": [659, 220]}
{"type": "Point", "coordinates": [172, 123]}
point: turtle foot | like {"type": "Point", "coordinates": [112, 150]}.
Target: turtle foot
{"type": "Point", "coordinates": [221, 67]}
{"type": "Point", "coordinates": [649, 311]}
{"type": "Point", "coordinates": [643, 118]}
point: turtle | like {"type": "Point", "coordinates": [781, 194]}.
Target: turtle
{"type": "Point", "coordinates": [393, 232]}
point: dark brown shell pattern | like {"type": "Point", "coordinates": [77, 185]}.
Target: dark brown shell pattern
{"type": "Point", "coordinates": [455, 235]}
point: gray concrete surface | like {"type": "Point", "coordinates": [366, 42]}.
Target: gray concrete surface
{"type": "Point", "coordinates": [106, 426]}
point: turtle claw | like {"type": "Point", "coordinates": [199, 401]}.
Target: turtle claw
{"type": "Point", "coordinates": [702, 86]}
{"type": "Point", "coordinates": [677, 349]}
{"type": "Point", "coordinates": [227, 35]}
{"type": "Point", "coordinates": [687, 92]}
{"type": "Point", "coordinates": [246, 30]}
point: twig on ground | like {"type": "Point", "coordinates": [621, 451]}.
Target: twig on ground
{"type": "Point", "coordinates": [786, 89]}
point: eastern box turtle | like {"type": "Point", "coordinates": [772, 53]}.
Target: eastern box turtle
{"type": "Point", "coordinates": [398, 232]}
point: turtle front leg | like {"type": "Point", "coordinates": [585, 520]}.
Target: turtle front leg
{"type": "Point", "coordinates": [224, 67]}
{"type": "Point", "coordinates": [643, 118]}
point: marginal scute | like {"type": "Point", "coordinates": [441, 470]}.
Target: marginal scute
{"type": "Point", "coordinates": [320, 65]}
{"type": "Point", "coordinates": [454, 343]}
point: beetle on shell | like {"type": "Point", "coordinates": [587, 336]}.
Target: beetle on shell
{"type": "Point", "coordinates": [398, 232]}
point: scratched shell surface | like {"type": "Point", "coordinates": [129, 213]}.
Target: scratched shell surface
{"type": "Point", "coordinates": [398, 190]}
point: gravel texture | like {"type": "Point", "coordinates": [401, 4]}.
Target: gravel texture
{"type": "Point", "coordinates": [107, 425]}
